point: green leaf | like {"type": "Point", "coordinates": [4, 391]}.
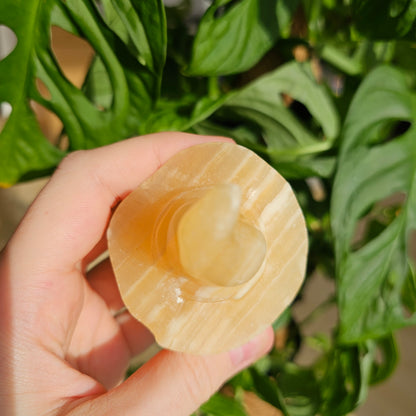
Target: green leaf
{"type": "Point", "coordinates": [341, 380]}
{"type": "Point", "coordinates": [290, 144]}
{"type": "Point", "coordinates": [181, 114]}
{"type": "Point", "coordinates": [97, 85]}
{"type": "Point", "coordinates": [306, 167]}
{"type": "Point", "coordinates": [371, 279]}
{"type": "Point", "coordinates": [283, 320]}
{"type": "Point", "coordinates": [233, 36]}
{"type": "Point", "coordinates": [383, 367]}
{"type": "Point", "coordinates": [268, 390]}
{"type": "Point", "coordinates": [262, 102]}
{"type": "Point", "coordinates": [294, 390]}
{"type": "Point", "coordinates": [351, 64]}
{"type": "Point", "coordinates": [409, 290]}
{"type": "Point", "coordinates": [134, 84]}
{"type": "Point", "coordinates": [23, 148]}
{"type": "Point", "coordinates": [220, 405]}
{"type": "Point", "coordinates": [296, 168]}
{"type": "Point", "coordinates": [385, 19]}
{"type": "Point", "coordinates": [300, 390]}
{"type": "Point", "coordinates": [139, 26]}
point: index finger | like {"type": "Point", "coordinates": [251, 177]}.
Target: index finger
{"type": "Point", "coordinates": [71, 213]}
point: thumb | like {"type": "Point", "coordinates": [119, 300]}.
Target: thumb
{"type": "Point", "coordinates": [176, 384]}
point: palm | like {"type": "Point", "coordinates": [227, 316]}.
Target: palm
{"type": "Point", "coordinates": [77, 326]}
{"type": "Point", "coordinates": [62, 348]}
{"type": "Point", "coordinates": [97, 346]}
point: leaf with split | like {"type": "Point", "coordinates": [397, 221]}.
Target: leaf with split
{"type": "Point", "coordinates": [293, 390]}
{"type": "Point", "coordinates": [134, 81]}
{"type": "Point", "coordinates": [371, 279]}
{"type": "Point", "coordinates": [138, 23]}
{"type": "Point", "coordinates": [299, 390]}
{"type": "Point", "coordinates": [383, 367]}
{"type": "Point", "coordinates": [291, 146]}
{"type": "Point", "coordinates": [341, 380]}
{"type": "Point", "coordinates": [233, 36]}
{"type": "Point", "coordinates": [23, 148]}
{"type": "Point", "coordinates": [264, 386]}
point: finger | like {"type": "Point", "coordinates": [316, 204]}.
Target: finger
{"type": "Point", "coordinates": [71, 213]}
{"type": "Point", "coordinates": [96, 254]}
{"type": "Point", "coordinates": [136, 335]}
{"type": "Point", "coordinates": [102, 281]}
{"type": "Point", "coordinates": [176, 384]}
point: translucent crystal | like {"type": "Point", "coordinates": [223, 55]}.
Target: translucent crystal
{"type": "Point", "coordinates": [215, 245]}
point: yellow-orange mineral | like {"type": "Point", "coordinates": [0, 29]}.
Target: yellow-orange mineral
{"type": "Point", "coordinates": [210, 249]}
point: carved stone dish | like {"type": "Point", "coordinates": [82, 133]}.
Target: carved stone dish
{"type": "Point", "coordinates": [210, 249]}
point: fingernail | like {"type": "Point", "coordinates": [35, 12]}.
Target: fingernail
{"type": "Point", "coordinates": [252, 350]}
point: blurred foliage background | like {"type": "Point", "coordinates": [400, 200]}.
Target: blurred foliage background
{"type": "Point", "coordinates": [323, 90]}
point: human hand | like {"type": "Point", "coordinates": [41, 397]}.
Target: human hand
{"type": "Point", "coordinates": [62, 351]}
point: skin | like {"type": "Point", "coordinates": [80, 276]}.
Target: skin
{"type": "Point", "coordinates": [62, 351]}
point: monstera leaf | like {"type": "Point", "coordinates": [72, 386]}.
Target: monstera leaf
{"type": "Point", "coordinates": [133, 66]}
{"type": "Point", "coordinates": [376, 280]}
{"type": "Point", "coordinates": [290, 145]}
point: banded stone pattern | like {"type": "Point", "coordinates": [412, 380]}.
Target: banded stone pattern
{"type": "Point", "coordinates": [183, 314]}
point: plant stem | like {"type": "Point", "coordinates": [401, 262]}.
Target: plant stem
{"type": "Point", "coordinates": [213, 88]}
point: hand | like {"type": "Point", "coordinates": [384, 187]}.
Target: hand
{"type": "Point", "coordinates": [62, 351]}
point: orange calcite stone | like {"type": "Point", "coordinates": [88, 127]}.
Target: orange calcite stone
{"type": "Point", "coordinates": [210, 249]}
